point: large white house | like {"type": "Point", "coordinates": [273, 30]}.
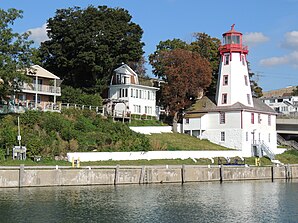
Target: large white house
{"type": "Point", "coordinates": [128, 96]}
{"type": "Point", "coordinates": [234, 119]}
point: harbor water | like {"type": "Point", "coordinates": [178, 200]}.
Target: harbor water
{"type": "Point", "coordinates": [246, 201]}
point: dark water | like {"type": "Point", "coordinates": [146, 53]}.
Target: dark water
{"type": "Point", "coordinates": [253, 201]}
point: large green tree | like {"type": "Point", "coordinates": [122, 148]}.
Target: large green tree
{"type": "Point", "coordinates": [86, 45]}
{"type": "Point", "coordinates": [207, 47]}
{"type": "Point", "coordinates": [15, 54]}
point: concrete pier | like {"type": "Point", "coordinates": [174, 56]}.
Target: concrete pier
{"type": "Point", "coordinates": [29, 176]}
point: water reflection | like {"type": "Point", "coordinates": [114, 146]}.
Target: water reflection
{"type": "Point", "coordinates": [253, 201]}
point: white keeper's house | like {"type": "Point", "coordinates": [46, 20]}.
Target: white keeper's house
{"type": "Point", "coordinates": [234, 119]}
{"type": "Point", "coordinates": [128, 96]}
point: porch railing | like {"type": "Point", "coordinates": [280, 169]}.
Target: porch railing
{"type": "Point", "coordinates": [41, 88]}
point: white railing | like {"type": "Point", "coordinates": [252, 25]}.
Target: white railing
{"type": "Point", "coordinates": [41, 88]}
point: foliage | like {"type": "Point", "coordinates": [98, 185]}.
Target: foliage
{"type": "Point", "coordinates": [185, 74]}
{"type": "Point", "coordinates": [86, 45]}
{"type": "Point", "coordinates": [155, 58]}
{"type": "Point", "coordinates": [207, 47]}
{"type": "Point", "coordinates": [15, 54]}
{"type": "Point", "coordinates": [77, 96]}
{"type": "Point", "coordinates": [256, 90]}
{"type": "Point", "coordinates": [55, 134]}
{"type": "Point", "coordinates": [139, 67]}
{"type": "Point", "coordinates": [295, 91]}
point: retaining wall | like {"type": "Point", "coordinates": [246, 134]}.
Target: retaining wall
{"type": "Point", "coordinates": [64, 176]}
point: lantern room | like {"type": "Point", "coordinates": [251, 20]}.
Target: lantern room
{"type": "Point", "coordinates": [232, 42]}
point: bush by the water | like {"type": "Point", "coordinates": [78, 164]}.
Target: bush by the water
{"type": "Point", "coordinates": [53, 134]}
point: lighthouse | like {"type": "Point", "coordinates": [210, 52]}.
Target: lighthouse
{"type": "Point", "coordinates": [234, 119]}
{"type": "Point", "coordinates": [233, 83]}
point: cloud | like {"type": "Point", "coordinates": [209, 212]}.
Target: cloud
{"type": "Point", "coordinates": [39, 34]}
{"type": "Point", "coordinates": [291, 59]}
{"type": "Point", "coordinates": [291, 40]}
{"type": "Point", "coordinates": [254, 38]}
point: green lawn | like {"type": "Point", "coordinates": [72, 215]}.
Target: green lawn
{"type": "Point", "coordinates": [176, 141]}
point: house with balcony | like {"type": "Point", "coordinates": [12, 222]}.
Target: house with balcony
{"type": "Point", "coordinates": [41, 92]}
{"type": "Point", "coordinates": [128, 97]}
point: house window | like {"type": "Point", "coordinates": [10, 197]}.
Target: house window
{"type": "Point", "coordinates": [248, 99]}
{"type": "Point", "coordinates": [187, 132]}
{"type": "Point", "coordinates": [187, 121]}
{"type": "Point", "coordinates": [272, 101]}
{"type": "Point", "coordinates": [224, 99]}
{"type": "Point", "coordinates": [131, 92]}
{"type": "Point", "coordinates": [246, 136]}
{"type": "Point", "coordinates": [137, 93]}
{"type": "Point", "coordinates": [22, 97]}
{"type": "Point", "coordinates": [222, 136]}
{"type": "Point", "coordinates": [259, 118]}
{"type": "Point", "coordinates": [269, 137]}
{"type": "Point", "coordinates": [38, 98]}
{"type": "Point", "coordinates": [252, 118]}
{"type": "Point", "coordinates": [120, 92]}
{"type": "Point", "coordinates": [269, 120]}
{"type": "Point", "coordinates": [246, 80]}
{"type": "Point", "coordinates": [227, 59]}
{"type": "Point", "coordinates": [225, 80]}
{"type": "Point", "coordinates": [222, 119]}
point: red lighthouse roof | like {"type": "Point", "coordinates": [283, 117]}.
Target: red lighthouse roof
{"type": "Point", "coordinates": [232, 42]}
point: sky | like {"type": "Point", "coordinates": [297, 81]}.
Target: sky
{"type": "Point", "coordinates": [270, 27]}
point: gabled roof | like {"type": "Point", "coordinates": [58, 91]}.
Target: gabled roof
{"type": "Point", "coordinates": [41, 72]}
{"type": "Point", "coordinates": [125, 69]}
{"type": "Point", "coordinates": [205, 104]}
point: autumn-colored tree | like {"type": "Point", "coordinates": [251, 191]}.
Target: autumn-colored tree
{"type": "Point", "coordinates": [186, 73]}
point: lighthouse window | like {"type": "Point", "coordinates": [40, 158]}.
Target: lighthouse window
{"type": "Point", "coordinates": [246, 80]}
{"type": "Point", "coordinates": [248, 99]}
{"type": "Point", "coordinates": [225, 80]}
{"type": "Point", "coordinates": [227, 59]}
{"type": "Point", "coordinates": [235, 40]}
{"type": "Point", "coordinates": [224, 99]}
{"type": "Point", "coordinates": [243, 60]}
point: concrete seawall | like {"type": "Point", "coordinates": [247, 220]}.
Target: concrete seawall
{"type": "Point", "coordinates": [25, 176]}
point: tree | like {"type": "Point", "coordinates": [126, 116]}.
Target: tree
{"type": "Point", "coordinates": [185, 74]}
{"type": "Point", "coordinates": [207, 47]}
{"type": "Point", "coordinates": [76, 96]}
{"type": "Point", "coordinates": [15, 54]}
{"type": "Point", "coordinates": [295, 91]}
{"type": "Point", "coordinates": [168, 45]}
{"type": "Point", "coordinates": [256, 90]}
{"type": "Point", "coordinates": [86, 45]}
{"type": "Point", "coordinates": [139, 67]}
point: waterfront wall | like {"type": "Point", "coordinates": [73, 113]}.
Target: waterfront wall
{"type": "Point", "coordinates": [151, 155]}
{"type": "Point", "coordinates": [65, 176]}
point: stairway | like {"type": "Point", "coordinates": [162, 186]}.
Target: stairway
{"type": "Point", "coordinates": [291, 143]}
{"type": "Point", "coordinates": [260, 148]}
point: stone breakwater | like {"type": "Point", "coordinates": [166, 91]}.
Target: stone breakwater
{"type": "Point", "coordinates": [29, 176]}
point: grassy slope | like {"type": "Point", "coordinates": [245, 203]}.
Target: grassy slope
{"type": "Point", "coordinates": [176, 141]}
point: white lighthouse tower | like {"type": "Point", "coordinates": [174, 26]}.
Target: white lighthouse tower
{"type": "Point", "coordinates": [233, 80]}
